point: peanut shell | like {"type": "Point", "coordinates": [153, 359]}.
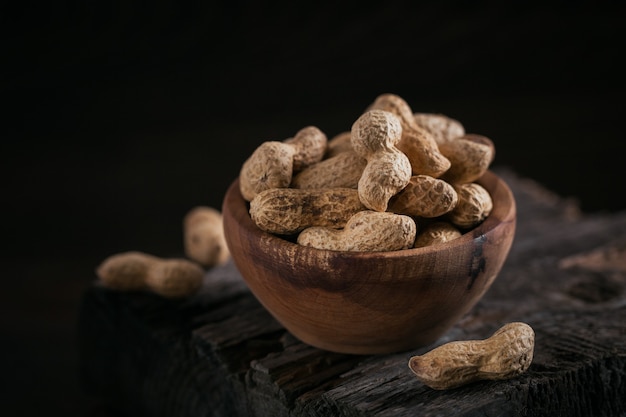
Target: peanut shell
{"type": "Point", "coordinates": [473, 207]}
{"type": "Point", "coordinates": [364, 231]}
{"type": "Point", "coordinates": [424, 196]}
{"type": "Point", "coordinates": [289, 210]}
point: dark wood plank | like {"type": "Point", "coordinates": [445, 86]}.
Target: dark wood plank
{"type": "Point", "coordinates": [221, 353]}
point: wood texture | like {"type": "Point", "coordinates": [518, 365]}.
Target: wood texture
{"type": "Point", "coordinates": [222, 354]}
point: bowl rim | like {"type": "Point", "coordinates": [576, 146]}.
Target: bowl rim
{"type": "Point", "coordinates": [500, 213]}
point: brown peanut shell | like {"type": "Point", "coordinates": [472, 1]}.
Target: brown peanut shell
{"type": "Point", "coordinates": [435, 234]}
{"type": "Point", "coordinates": [506, 354]}
{"type": "Point", "coordinates": [340, 171]}
{"type": "Point", "coordinates": [441, 127]}
{"type": "Point", "coordinates": [416, 142]}
{"type": "Point", "coordinates": [269, 166]}
{"type": "Point", "coordinates": [424, 196]}
{"type": "Point", "coordinates": [469, 156]}
{"type": "Point", "coordinates": [309, 147]}
{"type": "Point", "coordinates": [473, 207]}
{"type": "Point", "coordinates": [364, 231]}
{"type": "Point", "coordinates": [289, 210]}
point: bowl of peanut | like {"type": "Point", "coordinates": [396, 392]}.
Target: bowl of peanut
{"type": "Point", "coordinates": [377, 240]}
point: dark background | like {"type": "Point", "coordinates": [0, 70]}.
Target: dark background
{"type": "Point", "coordinates": [119, 117]}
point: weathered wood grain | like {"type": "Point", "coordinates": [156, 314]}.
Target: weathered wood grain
{"type": "Point", "coordinates": [221, 354]}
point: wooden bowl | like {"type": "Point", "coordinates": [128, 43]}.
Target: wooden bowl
{"type": "Point", "coordinates": [370, 302]}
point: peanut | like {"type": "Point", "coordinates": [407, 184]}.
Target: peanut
{"type": "Point", "coordinates": [506, 354]}
{"type": "Point", "coordinates": [340, 171]}
{"type": "Point", "coordinates": [483, 140]}
{"type": "Point", "coordinates": [273, 163]}
{"type": "Point", "coordinates": [133, 271]}
{"type": "Point", "coordinates": [269, 166]}
{"type": "Point", "coordinates": [288, 210]}
{"type": "Point", "coordinates": [470, 157]}
{"type": "Point", "coordinates": [436, 233]}
{"type": "Point", "coordinates": [365, 231]}
{"type": "Point", "coordinates": [374, 135]}
{"type": "Point", "coordinates": [338, 143]}
{"type": "Point", "coordinates": [416, 142]}
{"type": "Point", "coordinates": [203, 237]}
{"type": "Point", "coordinates": [424, 196]}
{"type": "Point", "coordinates": [441, 127]}
{"type": "Point", "coordinates": [309, 147]}
{"type": "Point", "coordinates": [473, 207]}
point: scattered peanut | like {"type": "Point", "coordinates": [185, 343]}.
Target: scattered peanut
{"type": "Point", "coordinates": [203, 237]}
{"type": "Point", "coordinates": [473, 207]}
{"type": "Point", "coordinates": [174, 278]}
{"type": "Point", "coordinates": [365, 231]}
{"type": "Point", "coordinates": [506, 354]}
{"type": "Point", "coordinates": [131, 271]}
{"type": "Point", "coordinates": [470, 157]}
{"type": "Point", "coordinates": [289, 210]}
{"type": "Point", "coordinates": [374, 135]}
{"type": "Point", "coordinates": [416, 142]}
{"type": "Point", "coordinates": [424, 196]}
{"type": "Point", "coordinates": [125, 271]}
{"type": "Point", "coordinates": [436, 233]}
{"type": "Point", "coordinates": [269, 166]}
{"type": "Point", "coordinates": [340, 171]}
{"type": "Point", "coordinates": [441, 127]}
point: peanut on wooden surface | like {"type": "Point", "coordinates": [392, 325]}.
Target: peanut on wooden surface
{"type": "Point", "coordinates": [289, 210]}
{"type": "Point", "coordinates": [365, 231]}
{"type": "Point", "coordinates": [441, 127]}
{"type": "Point", "coordinates": [203, 237]}
{"type": "Point", "coordinates": [374, 136]}
{"type": "Point", "coordinates": [436, 233]}
{"type": "Point", "coordinates": [473, 207]}
{"type": "Point", "coordinates": [342, 170]}
{"type": "Point", "coordinates": [469, 155]}
{"type": "Point", "coordinates": [506, 354]}
{"type": "Point", "coordinates": [424, 196]}
{"type": "Point", "coordinates": [417, 143]}
{"type": "Point", "coordinates": [134, 270]}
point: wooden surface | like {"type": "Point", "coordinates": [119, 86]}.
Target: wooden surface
{"type": "Point", "coordinates": [221, 354]}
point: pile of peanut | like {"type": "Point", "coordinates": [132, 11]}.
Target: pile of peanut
{"type": "Point", "coordinates": [396, 180]}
